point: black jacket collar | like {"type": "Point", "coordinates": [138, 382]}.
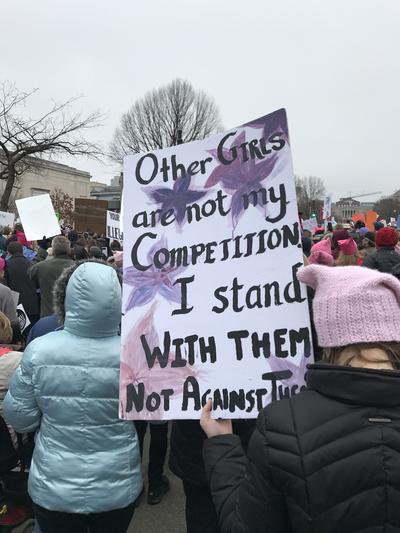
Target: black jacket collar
{"type": "Point", "coordinates": [355, 385]}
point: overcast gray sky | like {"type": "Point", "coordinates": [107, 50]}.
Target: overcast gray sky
{"type": "Point", "coordinates": [333, 64]}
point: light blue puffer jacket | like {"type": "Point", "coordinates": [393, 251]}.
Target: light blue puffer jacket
{"type": "Point", "coordinates": [86, 460]}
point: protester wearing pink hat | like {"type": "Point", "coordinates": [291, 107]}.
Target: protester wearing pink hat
{"type": "Point", "coordinates": [348, 254]}
{"type": "Point", "coordinates": [327, 459]}
{"type": "Point", "coordinates": [321, 253]}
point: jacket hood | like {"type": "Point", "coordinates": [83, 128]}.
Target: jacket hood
{"type": "Point", "coordinates": [93, 301]}
{"type": "Point", "coordinates": [360, 386]}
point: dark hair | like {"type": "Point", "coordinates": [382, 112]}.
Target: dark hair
{"type": "Point", "coordinates": [359, 224]}
{"type": "Point", "coordinates": [95, 251]}
{"type": "Point", "coordinates": [392, 350]}
{"type": "Point", "coordinates": [370, 235]}
{"type": "Point", "coordinates": [14, 247]}
{"type": "Point", "coordinates": [115, 246]}
{"type": "Point", "coordinates": [18, 227]}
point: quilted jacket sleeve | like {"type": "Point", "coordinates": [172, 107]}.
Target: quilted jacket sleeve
{"type": "Point", "coordinates": [244, 496]}
{"type": "Point", "coordinates": [20, 408]}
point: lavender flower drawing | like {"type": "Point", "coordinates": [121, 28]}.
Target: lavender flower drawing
{"type": "Point", "coordinates": [177, 198]}
{"type": "Point", "coordinates": [240, 178]}
{"type": "Point", "coordinates": [147, 284]}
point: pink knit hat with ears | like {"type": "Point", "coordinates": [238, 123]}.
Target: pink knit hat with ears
{"type": "Point", "coordinates": [321, 253]}
{"type": "Point", "coordinates": [353, 305]}
{"type": "Point", "coordinates": [348, 246]}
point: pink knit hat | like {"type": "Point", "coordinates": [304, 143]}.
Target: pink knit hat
{"type": "Point", "coordinates": [348, 246]}
{"type": "Point", "coordinates": [321, 253]}
{"type": "Point", "coordinates": [353, 305]}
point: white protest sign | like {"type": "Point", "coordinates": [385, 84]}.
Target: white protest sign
{"type": "Point", "coordinates": [310, 224]}
{"type": "Point", "coordinates": [211, 302]}
{"type": "Point", "coordinates": [6, 219]}
{"type": "Point", "coordinates": [23, 319]}
{"type": "Point", "coordinates": [114, 231]}
{"type": "Point", "coordinates": [38, 217]}
{"type": "Point", "coordinates": [327, 209]}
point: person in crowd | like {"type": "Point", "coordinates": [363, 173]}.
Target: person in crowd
{"type": "Point", "coordinates": [186, 462]}
{"type": "Point", "coordinates": [43, 326]}
{"type": "Point", "coordinates": [159, 484]}
{"type": "Point", "coordinates": [338, 235]}
{"type": "Point", "coordinates": [367, 244]}
{"type": "Point", "coordinates": [7, 302]}
{"type": "Point", "coordinates": [85, 472]}
{"type": "Point", "coordinates": [18, 280]}
{"type": "Point", "coordinates": [348, 254]}
{"type": "Point", "coordinates": [325, 460]}
{"type": "Point", "coordinates": [45, 274]}
{"type": "Point", "coordinates": [115, 246]}
{"type": "Point", "coordinates": [10, 359]}
{"type": "Point", "coordinates": [95, 252]}
{"type": "Point", "coordinates": [384, 258]}
{"type": "Point", "coordinates": [378, 225]}
{"type": "Point", "coordinates": [321, 253]}
{"type": "Point", "coordinates": [20, 234]}
{"type": "Point", "coordinates": [80, 252]}
{"type": "Point", "coordinates": [306, 244]}
{"type": "Point", "coordinates": [3, 242]}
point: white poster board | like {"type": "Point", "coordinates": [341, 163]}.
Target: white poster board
{"type": "Point", "coordinates": [114, 232]}
{"type": "Point", "coordinates": [327, 209]}
{"type": "Point", "coordinates": [310, 224]}
{"type": "Point", "coordinates": [211, 302]}
{"type": "Point", "coordinates": [6, 219]}
{"type": "Point", "coordinates": [38, 217]}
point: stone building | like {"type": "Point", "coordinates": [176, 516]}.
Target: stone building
{"type": "Point", "coordinates": [46, 176]}
{"type": "Point", "coordinates": [345, 208]}
{"type": "Point", "coordinates": [111, 193]}
{"type": "Point", "coordinates": [49, 176]}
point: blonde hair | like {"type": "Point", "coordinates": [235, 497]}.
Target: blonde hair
{"type": "Point", "coordinates": [6, 333]}
{"type": "Point", "coordinates": [346, 260]}
{"type": "Point", "coordinates": [344, 355]}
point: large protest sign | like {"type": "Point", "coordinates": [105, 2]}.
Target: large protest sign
{"type": "Point", "coordinates": [38, 217]}
{"type": "Point", "coordinates": [6, 219]}
{"type": "Point", "coordinates": [114, 231]}
{"type": "Point", "coordinates": [211, 303]}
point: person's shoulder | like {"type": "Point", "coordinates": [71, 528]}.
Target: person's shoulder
{"type": "Point", "coordinates": [280, 415]}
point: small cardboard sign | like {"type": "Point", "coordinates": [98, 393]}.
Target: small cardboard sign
{"type": "Point", "coordinates": [38, 217]}
{"type": "Point", "coordinates": [6, 219]}
{"type": "Point", "coordinates": [23, 318]}
{"type": "Point", "coordinates": [114, 232]}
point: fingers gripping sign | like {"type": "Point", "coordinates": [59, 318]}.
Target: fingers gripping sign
{"type": "Point", "coordinates": [212, 427]}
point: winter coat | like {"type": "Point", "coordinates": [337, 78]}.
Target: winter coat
{"type": "Point", "coordinates": [186, 458]}
{"type": "Point", "coordinates": [384, 260]}
{"type": "Point", "coordinates": [44, 275]}
{"type": "Point", "coordinates": [17, 278]}
{"type": "Point", "coordinates": [86, 460]}
{"type": "Point", "coordinates": [325, 461]}
{"type": "Point", "coordinates": [7, 304]}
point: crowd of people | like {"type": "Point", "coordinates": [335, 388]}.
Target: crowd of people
{"type": "Point", "coordinates": [325, 460]}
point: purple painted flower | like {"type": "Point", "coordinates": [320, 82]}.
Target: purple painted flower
{"type": "Point", "coordinates": [147, 284]}
{"type": "Point", "coordinates": [275, 124]}
{"type": "Point", "coordinates": [240, 178]}
{"type": "Point", "coordinates": [177, 198]}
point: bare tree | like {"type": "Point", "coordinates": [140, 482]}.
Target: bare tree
{"type": "Point", "coordinates": [24, 140]}
{"type": "Point", "coordinates": [388, 207]}
{"type": "Point", "coordinates": [63, 204]}
{"type": "Point", "coordinates": [155, 120]}
{"type": "Point", "coordinates": [310, 194]}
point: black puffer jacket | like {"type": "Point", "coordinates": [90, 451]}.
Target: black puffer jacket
{"type": "Point", "coordinates": [186, 457]}
{"type": "Point", "coordinates": [384, 260]}
{"type": "Point", "coordinates": [325, 461]}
